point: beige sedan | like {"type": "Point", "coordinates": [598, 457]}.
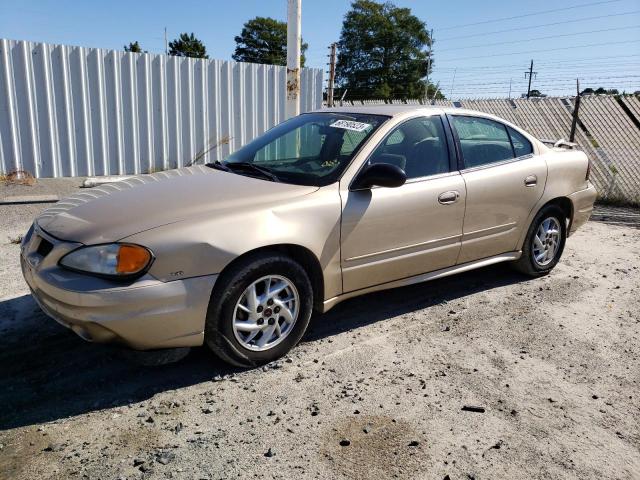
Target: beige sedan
{"type": "Point", "coordinates": [328, 205]}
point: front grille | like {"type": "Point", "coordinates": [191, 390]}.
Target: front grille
{"type": "Point", "coordinates": [45, 247]}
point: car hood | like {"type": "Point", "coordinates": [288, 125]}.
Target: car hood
{"type": "Point", "coordinates": [117, 210]}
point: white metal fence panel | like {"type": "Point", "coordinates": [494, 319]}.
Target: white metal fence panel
{"type": "Point", "coordinates": [75, 111]}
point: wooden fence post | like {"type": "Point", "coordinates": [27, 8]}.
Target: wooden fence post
{"type": "Point", "coordinates": [576, 108]}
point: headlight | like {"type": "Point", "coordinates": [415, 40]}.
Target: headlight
{"type": "Point", "coordinates": [115, 260]}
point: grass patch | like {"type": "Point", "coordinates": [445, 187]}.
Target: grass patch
{"type": "Point", "coordinates": [18, 177]}
{"type": "Point", "coordinates": [16, 240]}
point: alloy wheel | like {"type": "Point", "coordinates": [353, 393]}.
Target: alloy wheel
{"type": "Point", "coordinates": [546, 241]}
{"type": "Point", "coordinates": [266, 312]}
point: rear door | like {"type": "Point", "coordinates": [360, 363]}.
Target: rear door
{"type": "Point", "coordinates": [504, 180]}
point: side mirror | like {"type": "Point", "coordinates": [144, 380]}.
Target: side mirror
{"type": "Point", "coordinates": [379, 175]}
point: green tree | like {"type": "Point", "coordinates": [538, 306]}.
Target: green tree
{"type": "Point", "coordinates": [604, 91]}
{"type": "Point", "coordinates": [600, 91]}
{"type": "Point", "coordinates": [187, 45]}
{"type": "Point", "coordinates": [536, 93]}
{"type": "Point", "coordinates": [264, 40]}
{"type": "Point", "coordinates": [133, 47]}
{"type": "Point", "coordinates": [381, 52]}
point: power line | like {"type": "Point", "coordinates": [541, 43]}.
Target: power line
{"type": "Point", "coordinates": [553, 86]}
{"type": "Point", "coordinates": [582, 5]}
{"type": "Point", "coordinates": [547, 74]}
{"type": "Point", "coordinates": [469, 72]}
{"type": "Point", "coordinates": [547, 86]}
{"type": "Point", "coordinates": [557, 79]}
{"type": "Point", "coordinates": [617, 29]}
{"type": "Point", "coordinates": [518, 29]}
{"type": "Point", "coordinates": [544, 51]}
{"type": "Point", "coordinates": [491, 87]}
{"type": "Point", "coordinates": [560, 80]}
{"type": "Point", "coordinates": [547, 82]}
{"type": "Point", "coordinates": [571, 61]}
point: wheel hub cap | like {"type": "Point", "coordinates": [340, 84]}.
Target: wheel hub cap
{"type": "Point", "coordinates": [266, 313]}
{"type": "Point", "coordinates": [546, 241]}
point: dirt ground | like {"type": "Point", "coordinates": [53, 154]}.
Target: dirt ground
{"type": "Point", "coordinates": [376, 390]}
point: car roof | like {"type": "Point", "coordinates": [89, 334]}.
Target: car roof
{"type": "Point", "coordinates": [397, 110]}
{"type": "Point", "coordinates": [394, 110]}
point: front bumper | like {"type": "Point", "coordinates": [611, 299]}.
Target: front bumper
{"type": "Point", "coordinates": [582, 202]}
{"type": "Point", "coordinates": [145, 314]}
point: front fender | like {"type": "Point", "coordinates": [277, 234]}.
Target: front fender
{"type": "Point", "coordinates": [206, 245]}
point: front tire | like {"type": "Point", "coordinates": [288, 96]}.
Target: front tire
{"type": "Point", "coordinates": [544, 243]}
{"type": "Point", "coordinates": [259, 310]}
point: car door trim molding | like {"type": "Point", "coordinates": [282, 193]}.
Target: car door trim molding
{"type": "Point", "coordinates": [409, 181]}
{"type": "Point", "coordinates": [484, 232]}
{"type": "Point", "coordinates": [431, 177]}
{"type": "Point", "coordinates": [445, 272]}
{"type": "Point", "coordinates": [445, 241]}
{"type": "Point", "coordinates": [498, 163]}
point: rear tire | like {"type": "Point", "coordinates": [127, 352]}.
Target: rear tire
{"type": "Point", "coordinates": [248, 333]}
{"type": "Point", "coordinates": [544, 243]}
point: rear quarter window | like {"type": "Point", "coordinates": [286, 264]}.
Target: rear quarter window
{"type": "Point", "coordinates": [521, 145]}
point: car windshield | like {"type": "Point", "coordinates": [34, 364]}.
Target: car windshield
{"type": "Point", "coordinates": [310, 149]}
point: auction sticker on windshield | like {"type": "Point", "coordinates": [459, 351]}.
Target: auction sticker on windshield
{"type": "Point", "coordinates": [350, 125]}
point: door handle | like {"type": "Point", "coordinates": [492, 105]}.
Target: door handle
{"type": "Point", "coordinates": [447, 198]}
{"type": "Point", "coordinates": [531, 181]}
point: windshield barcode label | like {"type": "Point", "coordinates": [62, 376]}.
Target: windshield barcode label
{"type": "Point", "coordinates": [350, 125]}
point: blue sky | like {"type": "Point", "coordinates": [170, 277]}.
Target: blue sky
{"type": "Point", "coordinates": [600, 41]}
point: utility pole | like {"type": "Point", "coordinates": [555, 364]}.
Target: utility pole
{"type": "Point", "coordinates": [435, 94]}
{"type": "Point", "coordinates": [344, 94]}
{"type": "Point", "coordinates": [530, 75]}
{"type": "Point", "coordinates": [294, 25]}
{"type": "Point", "coordinates": [510, 88]}
{"type": "Point", "coordinates": [332, 75]}
{"type": "Point", "coordinates": [166, 49]}
{"type": "Point", "coordinates": [576, 107]}
{"type": "Point", "coordinates": [429, 59]}
{"type": "Point", "coordinates": [453, 83]}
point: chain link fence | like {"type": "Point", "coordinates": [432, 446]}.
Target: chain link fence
{"type": "Point", "coordinates": [608, 132]}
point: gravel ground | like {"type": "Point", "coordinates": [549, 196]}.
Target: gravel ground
{"type": "Point", "coordinates": [376, 390]}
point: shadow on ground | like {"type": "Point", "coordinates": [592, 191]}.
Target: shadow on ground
{"type": "Point", "coordinates": [48, 373]}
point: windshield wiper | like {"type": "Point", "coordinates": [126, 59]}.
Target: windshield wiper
{"type": "Point", "coordinates": [217, 165]}
{"type": "Point", "coordinates": [264, 171]}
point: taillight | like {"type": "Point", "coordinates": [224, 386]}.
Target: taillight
{"type": "Point", "coordinates": [586, 177]}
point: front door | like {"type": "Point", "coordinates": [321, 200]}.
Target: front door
{"type": "Point", "coordinates": [393, 233]}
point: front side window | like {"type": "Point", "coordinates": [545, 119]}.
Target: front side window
{"type": "Point", "coordinates": [418, 146]}
{"type": "Point", "coordinates": [483, 141]}
{"type": "Point", "coordinates": [310, 149]}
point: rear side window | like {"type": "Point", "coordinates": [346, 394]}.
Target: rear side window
{"type": "Point", "coordinates": [521, 145]}
{"type": "Point", "coordinates": [483, 141]}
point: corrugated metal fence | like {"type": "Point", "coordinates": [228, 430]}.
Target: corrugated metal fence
{"type": "Point", "coordinates": [74, 111]}
{"type": "Point", "coordinates": [608, 134]}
